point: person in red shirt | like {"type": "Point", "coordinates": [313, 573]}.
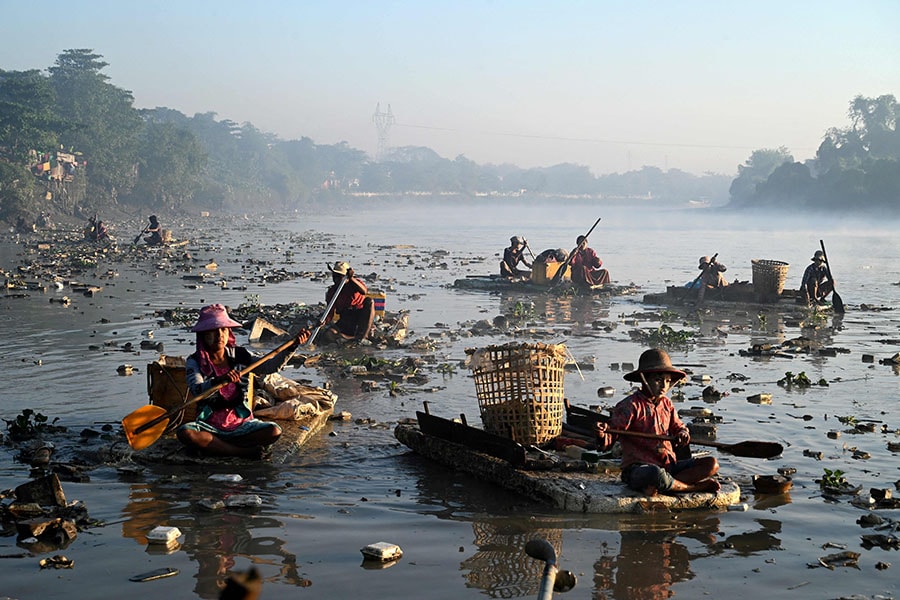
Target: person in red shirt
{"type": "Point", "coordinates": [355, 310]}
{"type": "Point", "coordinates": [586, 266]}
{"type": "Point", "coordinates": [650, 465]}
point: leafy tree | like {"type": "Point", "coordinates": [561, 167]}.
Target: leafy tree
{"type": "Point", "coordinates": [171, 166]}
{"type": "Point", "coordinates": [98, 119]}
{"type": "Point", "coordinates": [17, 190]}
{"type": "Point", "coordinates": [756, 170]}
{"type": "Point", "coordinates": [27, 118]}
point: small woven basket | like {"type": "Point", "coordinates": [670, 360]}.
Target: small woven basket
{"type": "Point", "coordinates": [520, 390]}
{"type": "Point", "coordinates": [769, 276]}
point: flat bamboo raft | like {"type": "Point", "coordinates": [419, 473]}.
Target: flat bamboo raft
{"type": "Point", "coordinates": [295, 434]}
{"type": "Point", "coordinates": [597, 492]}
{"type": "Point", "coordinates": [498, 283]}
{"type": "Point", "coordinates": [736, 293]}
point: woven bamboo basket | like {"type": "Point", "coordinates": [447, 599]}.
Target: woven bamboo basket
{"type": "Point", "coordinates": [520, 390]}
{"type": "Point", "coordinates": [769, 276]}
{"type": "Point", "coordinates": [167, 386]}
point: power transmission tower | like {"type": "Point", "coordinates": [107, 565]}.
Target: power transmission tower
{"type": "Point", "coordinates": [383, 122]}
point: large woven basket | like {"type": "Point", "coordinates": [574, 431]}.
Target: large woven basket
{"type": "Point", "coordinates": [769, 276]}
{"type": "Point", "coordinates": [520, 390]}
{"type": "Point", "coordinates": [167, 385]}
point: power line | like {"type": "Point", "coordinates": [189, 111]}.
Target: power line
{"type": "Point", "coordinates": [593, 140]}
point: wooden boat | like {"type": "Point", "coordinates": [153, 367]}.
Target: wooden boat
{"type": "Point", "coordinates": [567, 484]}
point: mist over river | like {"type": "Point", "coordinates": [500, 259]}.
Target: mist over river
{"type": "Point", "coordinates": [354, 484]}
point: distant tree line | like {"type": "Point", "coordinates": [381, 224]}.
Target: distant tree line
{"type": "Point", "coordinates": [856, 169]}
{"type": "Point", "coordinates": [160, 159]}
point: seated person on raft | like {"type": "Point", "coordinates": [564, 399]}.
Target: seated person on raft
{"type": "Point", "coordinates": [816, 285]}
{"type": "Point", "coordinates": [586, 271]}
{"type": "Point", "coordinates": [512, 256]}
{"type": "Point", "coordinates": [155, 231]}
{"type": "Point", "coordinates": [225, 425]}
{"type": "Point", "coordinates": [649, 465]}
{"type": "Point", "coordinates": [355, 309]}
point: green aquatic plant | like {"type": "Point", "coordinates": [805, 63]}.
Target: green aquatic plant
{"type": "Point", "coordinates": [665, 336]}
{"type": "Point", "coordinates": [30, 424]}
{"type": "Point", "coordinates": [668, 316]}
{"type": "Point", "coordinates": [250, 301]}
{"type": "Point", "coordinates": [833, 479]}
{"type": "Point", "coordinates": [522, 310]}
{"type": "Point", "coordinates": [446, 369]}
{"type": "Point", "coordinates": [848, 420]}
{"type": "Point", "coordinates": [800, 380]}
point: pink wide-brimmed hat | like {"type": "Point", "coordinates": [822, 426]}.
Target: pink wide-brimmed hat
{"type": "Point", "coordinates": [214, 316]}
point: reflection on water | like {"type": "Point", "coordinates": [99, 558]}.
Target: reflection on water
{"type": "Point", "coordinates": [500, 567]}
{"type": "Point", "coordinates": [214, 538]}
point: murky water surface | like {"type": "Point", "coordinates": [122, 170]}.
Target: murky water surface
{"type": "Point", "coordinates": [461, 538]}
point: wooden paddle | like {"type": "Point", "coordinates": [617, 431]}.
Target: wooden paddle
{"type": "Point", "coordinates": [147, 424]}
{"type": "Point", "coordinates": [561, 272]}
{"type": "Point", "coordinates": [836, 301]}
{"type": "Point", "coordinates": [749, 449]}
{"type": "Point", "coordinates": [703, 272]}
{"type": "Point", "coordinates": [138, 237]}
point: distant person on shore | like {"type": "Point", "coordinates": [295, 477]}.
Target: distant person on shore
{"type": "Point", "coordinates": [649, 465]}
{"type": "Point", "coordinates": [355, 310]}
{"type": "Point", "coordinates": [512, 256]}
{"type": "Point", "coordinates": [816, 285]}
{"type": "Point", "coordinates": [155, 231]}
{"type": "Point", "coordinates": [225, 425]}
{"type": "Point", "coordinates": [586, 266]}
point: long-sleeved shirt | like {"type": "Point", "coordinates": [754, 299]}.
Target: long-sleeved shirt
{"type": "Point", "coordinates": [639, 413]}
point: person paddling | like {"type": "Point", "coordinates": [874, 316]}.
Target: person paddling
{"type": "Point", "coordinates": [155, 231]}
{"type": "Point", "coordinates": [650, 465]}
{"type": "Point", "coordinates": [354, 309]}
{"type": "Point", "coordinates": [512, 256]}
{"type": "Point", "coordinates": [816, 285]}
{"type": "Point", "coordinates": [225, 425]}
{"type": "Point", "coordinates": [586, 266]}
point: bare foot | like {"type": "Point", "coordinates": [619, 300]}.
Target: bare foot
{"type": "Point", "coordinates": [708, 485]}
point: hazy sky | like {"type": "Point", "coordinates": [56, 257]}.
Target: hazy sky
{"type": "Point", "coordinates": [613, 85]}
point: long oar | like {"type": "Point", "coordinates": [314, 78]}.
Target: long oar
{"type": "Point", "coordinates": [703, 272]}
{"type": "Point", "coordinates": [749, 449]}
{"type": "Point", "coordinates": [561, 272]}
{"type": "Point", "coordinates": [138, 237]}
{"type": "Point", "coordinates": [145, 425]}
{"type": "Point", "coordinates": [836, 301]}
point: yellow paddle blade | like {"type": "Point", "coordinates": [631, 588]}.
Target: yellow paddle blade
{"type": "Point", "coordinates": [142, 416]}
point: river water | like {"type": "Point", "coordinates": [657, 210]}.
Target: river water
{"type": "Point", "coordinates": [460, 538]}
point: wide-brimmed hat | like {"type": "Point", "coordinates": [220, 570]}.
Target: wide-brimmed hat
{"type": "Point", "coordinates": [819, 256]}
{"type": "Point", "coordinates": [654, 361]}
{"type": "Point", "coordinates": [214, 316]}
{"type": "Point", "coordinates": [339, 268]}
{"type": "Point", "coordinates": [704, 260]}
